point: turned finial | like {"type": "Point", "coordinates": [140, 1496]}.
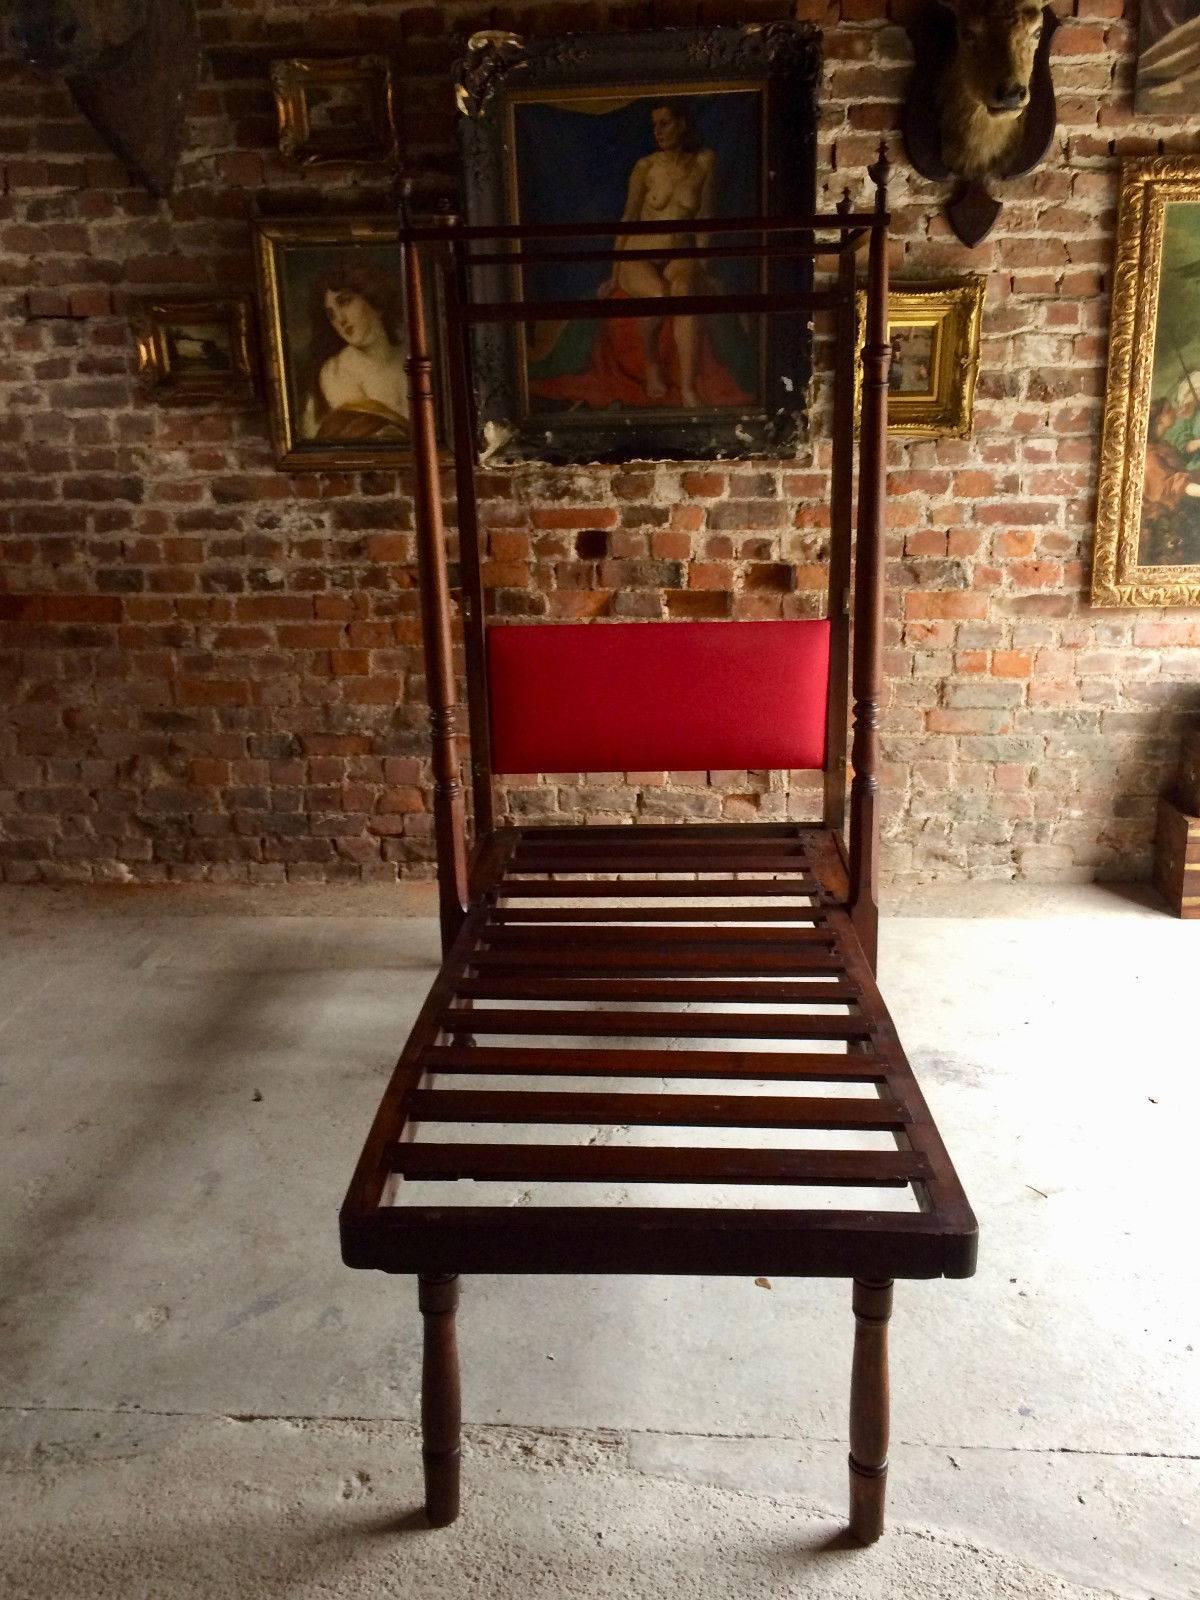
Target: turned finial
{"type": "Point", "coordinates": [878, 174]}
{"type": "Point", "coordinates": [843, 205]}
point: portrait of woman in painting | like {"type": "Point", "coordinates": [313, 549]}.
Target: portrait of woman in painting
{"type": "Point", "coordinates": [336, 341]}
{"type": "Point", "coordinates": [357, 387]}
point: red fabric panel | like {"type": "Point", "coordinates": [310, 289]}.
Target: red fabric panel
{"type": "Point", "coordinates": [670, 696]}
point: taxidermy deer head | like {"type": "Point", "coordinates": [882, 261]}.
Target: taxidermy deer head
{"type": "Point", "coordinates": [131, 65]}
{"type": "Point", "coordinates": [991, 112]}
{"type": "Point", "coordinates": [985, 89]}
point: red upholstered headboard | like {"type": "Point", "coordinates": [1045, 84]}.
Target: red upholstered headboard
{"type": "Point", "coordinates": [673, 697]}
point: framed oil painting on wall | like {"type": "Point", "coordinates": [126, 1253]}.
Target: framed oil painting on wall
{"type": "Point", "coordinates": [688, 125]}
{"type": "Point", "coordinates": [335, 110]}
{"type": "Point", "coordinates": [1168, 60]}
{"type": "Point", "coordinates": [192, 347]}
{"type": "Point", "coordinates": [332, 312]}
{"type": "Point", "coordinates": [934, 333]}
{"type": "Point", "coordinates": [1148, 515]}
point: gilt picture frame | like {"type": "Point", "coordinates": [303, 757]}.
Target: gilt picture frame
{"type": "Point", "coordinates": [934, 329]}
{"type": "Point", "coordinates": [335, 110]}
{"type": "Point", "coordinates": [196, 347]}
{"type": "Point", "coordinates": [335, 341]}
{"type": "Point", "coordinates": [727, 116]}
{"type": "Point", "coordinates": [1147, 546]}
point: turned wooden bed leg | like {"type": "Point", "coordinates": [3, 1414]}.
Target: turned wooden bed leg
{"type": "Point", "coordinates": [441, 1400]}
{"type": "Point", "coordinates": [869, 1406]}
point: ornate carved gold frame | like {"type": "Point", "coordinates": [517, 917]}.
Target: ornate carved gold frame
{"type": "Point", "coordinates": [1148, 187]}
{"type": "Point", "coordinates": [153, 320]}
{"type": "Point", "coordinates": [953, 308]}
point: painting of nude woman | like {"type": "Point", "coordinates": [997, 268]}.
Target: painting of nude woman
{"type": "Point", "coordinates": [333, 320]}
{"type": "Point", "coordinates": [625, 129]}
{"type": "Point", "coordinates": [679, 162]}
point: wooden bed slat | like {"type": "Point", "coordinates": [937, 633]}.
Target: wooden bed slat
{"type": "Point", "coordinates": [657, 888]}
{"type": "Point", "coordinates": [684, 963]}
{"type": "Point", "coordinates": [645, 836]}
{"type": "Point", "coordinates": [795, 866]}
{"type": "Point", "coordinates": [565, 916]}
{"type": "Point", "coordinates": [586, 937]}
{"type": "Point", "coordinates": [682, 834]}
{"type": "Point", "coordinates": [656, 1025]}
{"type": "Point", "coordinates": [856, 1169]}
{"type": "Point", "coordinates": [711, 989]}
{"type": "Point", "coordinates": [656, 1110]}
{"type": "Point", "coordinates": [529, 1060]}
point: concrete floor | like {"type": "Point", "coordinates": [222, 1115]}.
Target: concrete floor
{"type": "Point", "coordinates": [198, 1399]}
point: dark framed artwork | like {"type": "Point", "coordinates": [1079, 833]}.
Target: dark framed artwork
{"type": "Point", "coordinates": [192, 347]}
{"type": "Point", "coordinates": [688, 124]}
{"type": "Point", "coordinates": [335, 341]}
{"type": "Point", "coordinates": [335, 109]}
{"type": "Point", "coordinates": [1168, 59]}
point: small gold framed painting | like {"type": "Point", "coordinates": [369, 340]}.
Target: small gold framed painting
{"type": "Point", "coordinates": [335, 109]}
{"type": "Point", "coordinates": [934, 331]}
{"type": "Point", "coordinates": [1148, 512]}
{"type": "Point", "coordinates": [189, 348]}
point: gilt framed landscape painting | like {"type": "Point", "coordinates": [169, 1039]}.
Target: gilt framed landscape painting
{"type": "Point", "coordinates": [1148, 516]}
{"type": "Point", "coordinates": [196, 347]}
{"type": "Point", "coordinates": [686, 125]}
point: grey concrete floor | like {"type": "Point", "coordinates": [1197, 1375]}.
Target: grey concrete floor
{"type": "Point", "coordinates": [197, 1398]}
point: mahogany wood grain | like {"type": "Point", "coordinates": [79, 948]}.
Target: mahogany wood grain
{"type": "Point", "coordinates": [746, 961]}
{"type": "Point", "coordinates": [707, 860]}
{"type": "Point", "coordinates": [661, 1025]}
{"type": "Point", "coordinates": [505, 936]}
{"type": "Point", "coordinates": [733, 915]}
{"type": "Point", "coordinates": [449, 811]}
{"type": "Point", "coordinates": [455, 291]}
{"type": "Point", "coordinates": [868, 592]}
{"type": "Point", "coordinates": [441, 1400]}
{"type": "Point", "coordinates": [685, 834]}
{"type": "Point", "coordinates": [870, 1405]}
{"type": "Point", "coordinates": [657, 889]}
{"type": "Point", "coordinates": [751, 302]}
{"type": "Point", "coordinates": [841, 514]}
{"type": "Point", "coordinates": [581, 1163]}
{"type": "Point", "coordinates": [655, 1110]}
{"type": "Point", "coordinates": [842, 225]}
{"type": "Point", "coordinates": [711, 990]}
{"type": "Point", "coordinates": [532, 1061]}
{"type": "Point", "coordinates": [733, 837]}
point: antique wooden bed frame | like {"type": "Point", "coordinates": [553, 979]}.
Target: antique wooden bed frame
{"type": "Point", "coordinates": [545, 928]}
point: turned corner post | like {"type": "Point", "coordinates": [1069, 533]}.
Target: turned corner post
{"type": "Point", "coordinates": [449, 805]}
{"type": "Point", "coordinates": [841, 523]}
{"type": "Point", "coordinates": [870, 1403]}
{"type": "Point", "coordinates": [868, 584]}
{"type": "Point", "coordinates": [441, 1399]}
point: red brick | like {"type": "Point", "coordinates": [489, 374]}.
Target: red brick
{"type": "Point", "coordinates": [931, 603]}
{"type": "Point", "coordinates": [575, 517]}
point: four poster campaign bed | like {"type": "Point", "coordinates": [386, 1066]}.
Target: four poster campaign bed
{"type": "Point", "coordinates": [731, 966]}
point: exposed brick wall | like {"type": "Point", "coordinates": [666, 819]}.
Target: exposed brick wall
{"type": "Point", "coordinates": [211, 669]}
